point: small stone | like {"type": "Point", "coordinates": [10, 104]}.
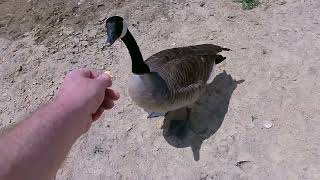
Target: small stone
{"type": "Point", "coordinates": [73, 61]}
{"type": "Point", "coordinates": [202, 4]}
{"type": "Point", "coordinates": [264, 51]}
{"type": "Point", "coordinates": [129, 129]}
{"type": "Point", "coordinates": [250, 125]}
{"type": "Point", "coordinates": [281, 2]}
{"type": "Point", "coordinates": [253, 118]}
{"type": "Point", "coordinates": [97, 149]}
{"type": "Point", "coordinates": [100, 5]}
{"type": "Point", "coordinates": [267, 124]}
{"type": "Point", "coordinates": [231, 17]}
{"type": "Point", "coordinates": [78, 21]}
{"type": "Point", "coordinates": [51, 93]}
{"type": "Point", "coordinates": [84, 43]}
{"type": "Point", "coordinates": [20, 68]}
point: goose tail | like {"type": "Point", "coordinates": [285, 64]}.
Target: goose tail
{"type": "Point", "coordinates": [226, 49]}
{"type": "Point", "coordinates": [219, 59]}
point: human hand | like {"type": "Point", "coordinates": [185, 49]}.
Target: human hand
{"type": "Point", "coordinates": [87, 94]}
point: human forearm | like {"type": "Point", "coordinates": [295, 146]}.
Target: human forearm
{"type": "Point", "coordinates": [36, 148]}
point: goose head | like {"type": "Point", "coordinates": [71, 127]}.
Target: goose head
{"type": "Point", "coordinates": [116, 29]}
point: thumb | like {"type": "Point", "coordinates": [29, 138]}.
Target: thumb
{"type": "Point", "coordinates": [105, 80]}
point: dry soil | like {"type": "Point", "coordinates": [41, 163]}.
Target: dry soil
{"type": "Point", "coordinates": [259, 120]}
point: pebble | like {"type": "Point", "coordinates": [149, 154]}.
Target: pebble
{"type": "Point", "coordinates": [51, 93]}
{"type": "Point", "coordinates": [267, 124]}
{"type": "Point", "coordinates": [74, 61]}
{"type": "Point", "coordinates": [84, 43]}
{"type": "Point", "coordinates": [264, 51]}
{"type": "Point", "coordinates": [5, 97]}
{"type": "Point", "coordinates": [129, 129]}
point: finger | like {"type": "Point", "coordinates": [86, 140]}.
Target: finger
{"type": "Point", "coordinates": [107, 104]}
{"type": "Point", "coordinates": [111, 94]}
{"type": "Point", "coordinates": [84, 72]}
{"type": "Point", "coordinates": [105, 80]}
{"type": "Point", "coordinates": [88, 73]}
{"type": "Point", "coordinates": [97, 114]}
{"type": "Point", "coordinates": [94, 74]}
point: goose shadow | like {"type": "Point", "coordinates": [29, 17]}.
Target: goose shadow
{"type": "Point", "coordinates": [206, 116]}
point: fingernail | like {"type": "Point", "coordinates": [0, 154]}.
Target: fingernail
{"type": "Point", "coordinates": [104, 76]}
{"type": "Point", "coordinates": [107, 80]}
{"type": "Point", "coordinates": [109, 73]}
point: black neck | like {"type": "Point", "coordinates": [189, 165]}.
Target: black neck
{"type": "Point", "coordinates": [138, 65]}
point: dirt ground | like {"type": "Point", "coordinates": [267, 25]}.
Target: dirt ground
{"type": "Point", "coordinates": [260, 118]}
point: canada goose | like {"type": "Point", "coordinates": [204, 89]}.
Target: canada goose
{"type": "Point", "coordinates": [170, 79]}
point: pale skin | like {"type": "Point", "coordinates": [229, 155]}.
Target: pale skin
{"type": "Point", "coordinates": [36, 148]}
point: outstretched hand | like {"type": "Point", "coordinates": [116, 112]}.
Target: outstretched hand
{"type": "Point", "coordinates": [88, 93]}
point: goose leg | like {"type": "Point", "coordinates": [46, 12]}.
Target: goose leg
{"type": "Point", "coordinates": [188, 113]}
{"type": "Point", "coordinates": [180, 127]}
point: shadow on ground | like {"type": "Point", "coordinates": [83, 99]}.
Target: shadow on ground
{"type": "Point", "coordinates": [207, 115]}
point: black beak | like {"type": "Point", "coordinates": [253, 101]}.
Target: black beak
{"type": "Point", "coordinates": [110, 40]}
{"type": "Point", "coordinates": [112, 35]}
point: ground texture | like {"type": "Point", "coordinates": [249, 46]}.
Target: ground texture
{"type": "Point", "coordinates": [260, 118]}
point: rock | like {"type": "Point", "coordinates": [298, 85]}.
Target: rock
{"type": "Point", "coordinates": [74, 61]}
{"type": "Point", "coordinates": [253, 118]}
{"type": "Point", "coordinates": [264, 51]}
{"type": "Point", "coordinates": [97, 149]}
{"type": "Point", "coordinates": [19, 69]}
{"type": "Point", "coordinates": [51, 93]}
{"type": "Point", "coordinates": [129, 129]}
{"type": "Point", "coordinates": [84, 44]}
{"type": "Point", "coordinates": [100, 5]}
{"type": "Point", "coordinates": [267, 124]}
{"type": "Point", "coordinates": [243, 160]}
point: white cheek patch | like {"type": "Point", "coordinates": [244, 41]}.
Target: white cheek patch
{"type": "Point", "coordinates": [124, 29]}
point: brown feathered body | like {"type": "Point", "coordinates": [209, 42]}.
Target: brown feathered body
{"type": "Point", "coordinates": [178, 77]}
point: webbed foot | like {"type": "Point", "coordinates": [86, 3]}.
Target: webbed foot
{"type": "Point", "coordinates": [155, 114]}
